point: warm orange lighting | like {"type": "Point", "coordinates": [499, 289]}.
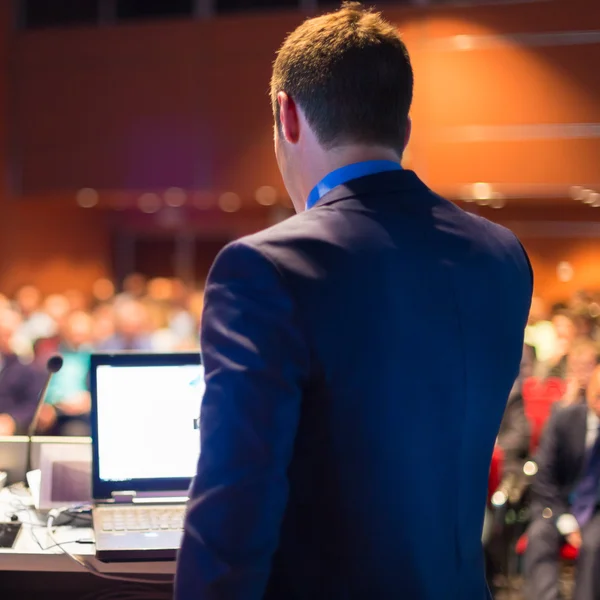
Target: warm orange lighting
{"type": "Point", "coordinates": [230, 202]}
{"type": "Point", "coordinates": [175, 197]}
{"type": "Point", "coordinates": [497, 201]}
{"type": "Point", "coordinates": [203, 200]}
{"type": "Point", "coordinates": [87, 197]}
{"type": "Point", "coordinates": [564, 271]}
{"type": "Point", "coordinates": [149, 203]}
{"type": "Point", "coordinates": [266, 195]}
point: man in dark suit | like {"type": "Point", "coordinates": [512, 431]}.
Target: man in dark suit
{"type": "Point", "coordinates": [338, 461]}
{"type": "Point", "coordinates": [566, 499]}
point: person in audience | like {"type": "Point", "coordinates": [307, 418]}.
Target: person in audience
{"type": "Point", "coordinates": [103, 325]}
{"type": "Point", "coordinates": [134, 287]}
{"type": "Point", "coordinates": [540, 333]}
{"type": "Point", "coordinates": [68, 395]}
{"type": "Point", "coordinates": [581, 362]}
{"type": "Point", "coordinates": [103, 291]}
{"type": "Point", "coordinates": [566, 332]}
{"type": "Point", "coordinates": [57, 307]}
{"type": "Point", "coordinates": [20, 384]}
{"type": "Point", "coordinates": [182, 322]}
{"type": "Point", "coordinates": [77, 300]}
{"type": "Point", "coordinates": [566, 499]}
{"type": "Point", "coordinates": [36, 323]}
{"type": "Point", "coordinates": [514, 439]}
{"type": "Point", "coordinates": [131, 328]}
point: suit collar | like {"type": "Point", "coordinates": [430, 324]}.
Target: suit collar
{"type": "Point", "coordinates": [374, 185]}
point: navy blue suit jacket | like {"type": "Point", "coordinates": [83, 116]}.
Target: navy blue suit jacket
{"type": "Point", "coordinates": [358, 361]}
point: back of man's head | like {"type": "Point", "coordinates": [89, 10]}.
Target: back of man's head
{"type": "Point", "coordinates": [350, 74]}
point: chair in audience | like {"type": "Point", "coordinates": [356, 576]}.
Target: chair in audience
{"type": "Point", "coordinates": [539, 395]}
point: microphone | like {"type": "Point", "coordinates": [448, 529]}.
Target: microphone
{"type": "Point", "coordinates": [54, 365]}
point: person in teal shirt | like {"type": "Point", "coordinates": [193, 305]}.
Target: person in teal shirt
{"type": "Point", "coordinates": [68, 396]}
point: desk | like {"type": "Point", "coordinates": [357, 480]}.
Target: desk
{"type": "Point", "coordinates": [34, 552]}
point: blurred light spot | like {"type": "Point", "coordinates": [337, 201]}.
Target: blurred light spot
{"type": "Point", "coordinates": [160, 288]}
{"type": "Point", "coordinates": [594, 199]}
{"type": "Point", "coordinates": [463, 42]}
{"type": "Point", "coordinates": [547, 513]}
{"type": "Point", "coordinates": [230, 202]}
{"type": "Point", "coordinates": [576, 192]}
{"type": "Point", "coordinates": [586, 196]}
{"type": "Point", "coordinates": [497, 201]}
{"type": "Point", "coordinates": [530, 468]}
{"type": "Point", "coordinates": [103, 289]}
{"type": "Point", "coordinates": [175, 197]}
{"type": "Point", "coordinates": [203, 200]}
{"type": "Point", "coordinates": [564, 271]}
{"type": "Point", "coordinates": [482, 191]}
{"type": "Point", "coordinates": [170, 218]}
{"type": "Point", "coordinates": [149, 203]}
{"type": "Point", "coordinates": [594, 310]}
{"type": "Point", "coordinates": [87, 197]}
{"type": "Point", "coordinates": [266, 195]}
{"type": "Point", "coordinates": [499, 499]}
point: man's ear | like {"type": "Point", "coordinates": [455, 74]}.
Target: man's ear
{"type": "Point", "coordinates": [288, 118]}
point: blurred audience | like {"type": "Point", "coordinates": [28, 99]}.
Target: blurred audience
{"type": "Point", "coordinates": [581, 362]}
{"type": "Point", "coordinates": [132, 328]}
{"type": "Point", "coordinates": [159, 314]}
{"type": "Point", "coordinates": [540, 333]}
{"type": "Point", "coordinates": [20, 384]}
{"type": "Point", "coordinates": [163, 315]}
{"type": "Point", "coordinates": [68, 397]}
{"type": "Point", "coordinates": [566, 331]}
{"type": "Point", "coordinates": [35, 322]}
{"type": "Point", "coordinates": [566, 499]}
{"type": "Point", "coordinates": [513, 439]}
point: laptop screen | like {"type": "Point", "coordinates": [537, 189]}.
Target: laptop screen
{"type": "Point", "coordinates": [145, 417]}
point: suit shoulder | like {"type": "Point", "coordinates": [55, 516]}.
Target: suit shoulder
{"type": "Point", "coordinates": [294, 227]}
{"type": "Point", "coordinates": [497, 231]}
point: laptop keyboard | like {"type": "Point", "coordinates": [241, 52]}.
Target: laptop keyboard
{"type": "Point", "coordinates": [141, 518]}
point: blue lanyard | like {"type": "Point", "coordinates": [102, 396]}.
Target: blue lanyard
{"type": "Point", "coordinates": [347, 173]}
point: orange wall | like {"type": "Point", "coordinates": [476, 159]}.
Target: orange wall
{"type": "Point", "coordinates": [545, 255]}
{"type": "Point", "coordinates": [185, 103]}
{"type": "Point", "coordinates": [148, 106]}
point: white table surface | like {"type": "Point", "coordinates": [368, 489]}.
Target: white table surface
{"type": "Point", "coordinates": [34, 551]}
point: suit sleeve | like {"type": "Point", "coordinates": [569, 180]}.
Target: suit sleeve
{"type": "Point", "coordinates": [515, 433]}
{"type": "Point", "coordinates": [256, 361]}
{"type": "Point", "coordinates": [546, 487]}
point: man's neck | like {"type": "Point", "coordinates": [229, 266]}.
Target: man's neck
{"type": "Point", "coordinates": [343, 156]}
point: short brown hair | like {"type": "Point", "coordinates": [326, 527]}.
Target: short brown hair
{"type": "Point", "coordinates": [350, 73]}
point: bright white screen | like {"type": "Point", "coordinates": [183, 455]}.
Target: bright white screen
{"type": "Point", "coordinates": [146, 421]}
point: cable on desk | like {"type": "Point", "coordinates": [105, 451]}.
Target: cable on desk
{"type": "Point", "coordinates": [52, 515]}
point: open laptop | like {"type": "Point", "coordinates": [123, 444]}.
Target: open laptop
{"type": "Point", "coordinates": [145, 449]}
